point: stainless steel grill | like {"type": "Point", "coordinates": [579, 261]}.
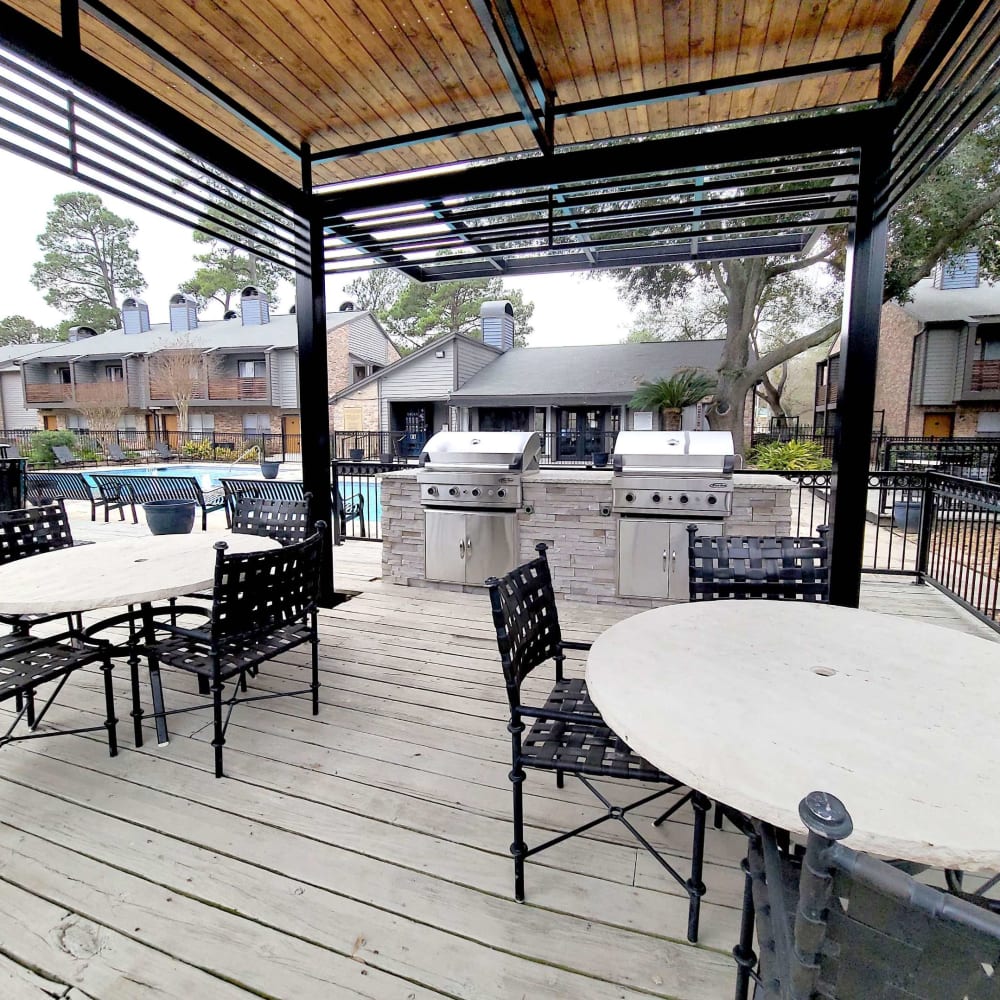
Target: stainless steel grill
{"type": "Point", "coordinates": [477, 469]}
{"type": "Point", "coordinates": [673, 473]}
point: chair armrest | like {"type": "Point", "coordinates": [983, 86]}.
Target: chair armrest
{"type": "Point", "coordinates": [583, 646]}
{"type": "Point", "coordinates": [187, 633]}
{"type": "Point", "coordinates": [215, 496]}
{"type": "Point", "coordinates": [591, 721]}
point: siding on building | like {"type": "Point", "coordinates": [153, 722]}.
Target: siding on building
{"type": "Point", "coordinates": [135, 379]}
{"type": "Point", "coordinates": [285, 379]}
{"type": "Point", "coordinates": [941, 358]}
{"type": "Point", "coordinates": [367, 342]}
{"type": "Point", "coordinates": [961, 347]}
{"type": "Point", "coordinates": [471, 358]}
{"type": "Point", "coordinates": [15, 416]}
{"type": "Point", "coordinates": [427, 378]}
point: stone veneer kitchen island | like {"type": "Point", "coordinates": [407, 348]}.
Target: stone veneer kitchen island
{"type": "Point", "coordinates": [569, 510]}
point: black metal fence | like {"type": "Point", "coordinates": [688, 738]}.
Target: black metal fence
{"type": "Point", "coordinates": [360, 485]}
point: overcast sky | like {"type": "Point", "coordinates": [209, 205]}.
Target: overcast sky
{"type": "Point", "coordinates": [569, 308]}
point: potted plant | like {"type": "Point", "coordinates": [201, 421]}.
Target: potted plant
{"type": "Point", "coordinates": [356, 454]}
{"type": "Point", "coordinates": [670, 395]}
{"type": "Point", "coordinates": [169, 517]}
{"type": "Point", "coordinates": [269, 467]}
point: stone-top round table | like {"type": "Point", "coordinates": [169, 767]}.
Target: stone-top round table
{"type": "Point", "coordinates": [758, 703]}
{"type": "Point", "coordinates": [116, 572]}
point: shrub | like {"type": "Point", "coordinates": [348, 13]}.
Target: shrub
{"type": "Point", "coordinates": [224, 454]}
{"type": "Point", "coordinates": [791, 456]}
{"type": "Point", "coordinates": [40, 445]}
{"type": "Point", "coordinates": [198, 449]}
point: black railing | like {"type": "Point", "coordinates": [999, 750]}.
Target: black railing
{"type": "Point", "coordinates": [968, 458]}
{"type": "Point", "coordinates": [362, 481]}
{"type": "Point", "coordinates": [387, 447]}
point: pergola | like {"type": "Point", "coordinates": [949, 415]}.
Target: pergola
{"type": "Point", "coordinates": [503, 137]}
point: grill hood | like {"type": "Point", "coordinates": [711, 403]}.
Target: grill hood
{"type": "Point", "coordinates": [679, 452]}
{"type": "Point", "coordinates": [480, 451]}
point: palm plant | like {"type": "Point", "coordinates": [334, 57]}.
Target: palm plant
{"type": "Point", "coordinates": [670, 395]}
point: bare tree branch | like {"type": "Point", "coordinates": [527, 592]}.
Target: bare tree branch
{"type": "Point", "coordinates": [761, 366]}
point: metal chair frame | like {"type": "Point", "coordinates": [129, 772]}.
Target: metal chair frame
{"type": "Point", "coordinates": [568, 735]}
{"type": "Point", "coordinates": [286, 521]}
{"type": "Point", "coordinates": [263, 604]}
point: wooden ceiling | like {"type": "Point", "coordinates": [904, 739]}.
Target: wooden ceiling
{"type": "Point", "coordinates": [375, 84]}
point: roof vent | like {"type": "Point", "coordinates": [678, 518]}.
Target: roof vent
{"type": "Point", "coordinates": [135, 315]}
{"type": "Point", "coordinates": [348, 307]}
{"type": "Point", "coordinates": [183, 313]}
{"type": "Point", "coordinates": [230, 314]}
{"type": "Point", "coordinates": [497, 320]}
{"type": "Point", "coordinates": [291, 310]}
{"type": "Point", "coordinates": [254, 306]}
{"type": "Point", "coordinates": [81, 333]}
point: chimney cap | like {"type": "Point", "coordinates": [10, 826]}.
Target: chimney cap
{"type": "Point", "coordinates": [81, 332]}
{"type": "Point", "coordinates": [250, 292]}
{"type": "Point", "coordinates": [230, 314]}
{"type": "Point", "coordinates": [498, 307]}
{"type": "Point", "coordinates": [348, 307]}
{"type": "Point", "coordinates": [183, 299]}
{"type": "Point", "coordinates": [133, 303]}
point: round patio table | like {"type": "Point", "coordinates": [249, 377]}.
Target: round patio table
{"type": "Point", "coordinates": [758, 703]}
{"type": "Point", "coordinates": [123, 572]}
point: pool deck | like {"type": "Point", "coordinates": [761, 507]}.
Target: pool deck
{"type": "Point", "coordinates": [358, 853]}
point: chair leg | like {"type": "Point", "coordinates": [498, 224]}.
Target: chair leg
{"type": "Point", "coordinates": [717, 821]}
{"type": "Point", "coordinates": [743, 953]}
{"type": "Point", "coordinates": [314, 642]}
{"type": "Point", "coordinates": [111, 723]}
{"type": "Point", "coordinates": [218, 737]}
{"type": "Point", "coordinates": [695, 885]}
{"type": "Point", "coordinates": [518, 848]}
{"type": "Point", "coordinates": [29, 696]}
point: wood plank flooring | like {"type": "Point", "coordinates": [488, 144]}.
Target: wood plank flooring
{"type": "Point", "coordinates": [359, 853]}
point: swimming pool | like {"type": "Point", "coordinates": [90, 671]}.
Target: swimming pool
{"type": "Point", "coordinates": [210, 475]}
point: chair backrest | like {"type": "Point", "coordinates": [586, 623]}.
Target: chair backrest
{"type": "Point", "coordinates": [162, 449]}
{"type": "Point", "coordinates": [286, 521]}
{"type": "Point", "coordinates": [258, 592]}
{"type": "Point", "coordinates": [863, 929]}
{"type": "Point", "coordinates": [115, 452]}
{"type": "Point", "coordinates": [34, 530]}
{"type": "Point", "coordinates": [526, 621]}
{"type": "Point", "coordinates": [11, 450]}
{"type": "Point", "coordinates": [750, 566]}
{"type": "Point", "coordinates": [49, 485]}
{"type": "Point", "coordinates": [64, 455]}
{"type": "Point", "coordinates": [145, 488]}
{"type": "Point", "coordinates": [264, 489]}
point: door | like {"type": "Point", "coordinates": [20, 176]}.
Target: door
{"type": "Point", "coordinates": [653, 556]}
{"type": "Point", "coordinates": [938, 425]}
{"type": "Point", "coordinates": [291, 429]}
{"type": "Point", "coordinates": [170, 429]}
{"type": "Point", "coordinates": [50, 423]}
{"type": "Point", "coordinates": [490, 545]}
{"type": "Point", "coordinates": [444, 545]}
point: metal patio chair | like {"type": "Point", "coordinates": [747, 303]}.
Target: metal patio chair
{"type": "Point", "coordinates": [285, 521]}
{"type": "Point", "coordinates": [64, 457]}
{"type": "Point", "coordinates": [568, 735]}
{"type": "Point", "coordinates": [263, 604]}
{"type": "Point", "coordinates": [164, 451]}
{"type": "Point", "coordinates": [28, 662]}
{"type": "Point", "coordinates": [115, 454]}
{"type": "Point", "coordinates": [30, 532]}
{"type": "Point", "coordinates": [837, 924]}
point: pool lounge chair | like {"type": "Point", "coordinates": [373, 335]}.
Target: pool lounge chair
{"type": "Point", "coordinates": [164, 451]}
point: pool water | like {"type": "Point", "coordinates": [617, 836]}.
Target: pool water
{"type": "Point", "coordinates": [210, 477]}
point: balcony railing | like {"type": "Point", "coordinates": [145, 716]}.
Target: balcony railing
{"type": "Point", "coordinates": [48, 392]}
{"type": "Point", "coordinates": [100, 392]}
{"type": "Point", "coordinates": [237, 388]}
{"type": "Point", "coordinates": [985, 376]}
{"type": "Point", "coordinates": [159, 389]}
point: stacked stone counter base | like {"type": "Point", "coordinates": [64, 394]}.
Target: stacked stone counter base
{"type": "Point", "coordinates": [566, 514]}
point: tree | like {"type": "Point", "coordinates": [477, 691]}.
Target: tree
{"type": "Point", "coordinates": [226, 270]}
{"type": "Point", "coordinates": [181, 370]}
{"type": "Point", "coordinates": [102, 405]}
{"type": "Point", "coordinates": [18, 329]}
{"type": "Point", "coordinates": [89, 260]}
{"type": "Point", "coordinates": [416, 312]}
{"type": "Point", "coordinates": [955, 207]}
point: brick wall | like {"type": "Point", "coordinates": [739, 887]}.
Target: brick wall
{"type": "Point", "coordinates": [367, 399]}
{"type": "Point", "coordinates": [230, 419]}
{"type": "Point", "coordinates": [567, 515]}
{"type": "Point", "coordinates": [895, 356]}
{"type": "Point", "coordinates": [338, 366]}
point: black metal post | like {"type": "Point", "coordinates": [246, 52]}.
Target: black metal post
{"type": "Point", "coordinates": [864, 276]}
{"type": "Point", "coordinates": [310, 315]}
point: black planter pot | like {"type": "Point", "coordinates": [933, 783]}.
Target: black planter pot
{"type": "Point", "coordinates": [169, 517]}
{"type": "Point", "coordinates": [269, 470]}
{"type": "Point", "coordinates": [599, 459]}
{"type": "Point", "coordinates": [356, 454]}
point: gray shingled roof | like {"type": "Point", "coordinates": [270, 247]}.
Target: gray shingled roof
{"type": "Point", "coordinates": [281, 331]}
{"type": "Point", "coordinates": [602, 373]}
{"type": "Point", "coordinates": [9, 353]}
{"type": "Point", "coordinates": [937, 305]}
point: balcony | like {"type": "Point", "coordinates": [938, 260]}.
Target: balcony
{"type": "Point", "coordinates": [985, 376]}
{"type": "Point", "coordinates": [104, 391]}
{"type": "Point", "coordinates": [159, 389]}
{"type": "Point", "coordinates": [48, 392]}
{"type": "Point", "coordinates": [237, 388]}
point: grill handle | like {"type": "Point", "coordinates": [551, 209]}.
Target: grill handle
{"type": "Point", "coordinates": [461, 549]}
{"type": "Point", "coordinates": [468, 546]}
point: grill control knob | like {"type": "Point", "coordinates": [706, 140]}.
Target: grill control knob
{"type": "Point", "coordinates": [684, 498]}
{"type": "Point", "coordinates": [656, 498]}
{"type": "Point", "coordinates": [453, 491]}
{"type": "Point", "coordinates": [432, 491]}
{"type": "Point", "coordinates": [475, 491]}
{"type": "Point", "coordinates": [501, 492]}
{"type": "Point", "coordinates": [629, 497]}
{"type": "Point", "coordinates": [713, 499]}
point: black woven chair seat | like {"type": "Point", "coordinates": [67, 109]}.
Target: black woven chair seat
{"type": "Point", "coordinates": [35, 663]}
{"type": "Point", "coordinates": [580, 746]}
{"type": "Point", "coordinates": [196, 656]}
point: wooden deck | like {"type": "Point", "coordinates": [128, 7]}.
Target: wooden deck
{"type": "Point", "coordinates": [362, 852]}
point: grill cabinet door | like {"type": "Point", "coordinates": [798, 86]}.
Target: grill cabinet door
{"type": "Point", "coordinates": [444, 545]}
{"type": "Point", "coordinates": [653, 556]}
{"type": "Point", "coordinates": [491, 545]}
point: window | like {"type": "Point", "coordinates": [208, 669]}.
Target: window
{"type": "Point", "coordinates": [62, 375]}
{"type": "Point", "coordinates": [114, 373]}
{"type": "Point", "coordinates": [201, 423]}
{"type": "Point", "coordinates": [76, 421]}
{"type": "Point", "coordinates": [128, 422]}
{"type": "Point", "coordinates": [256, 423]}
{"type": "Point", "coordinates": [253, 369]}
{"type": "Point", "coordinates": [359, 372]}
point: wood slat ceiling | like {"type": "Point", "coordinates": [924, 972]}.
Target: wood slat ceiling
{"type": "Point", "coordinates": [335, 73]}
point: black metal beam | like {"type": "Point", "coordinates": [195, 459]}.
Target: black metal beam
{"type": "Point", "coordinates": [522, 50]}
{"type": "Point", "coordinates": [508, 63]}
{"type": "Point", "coordinates": [560, 112]}
{"type": "Point", "coordinates": [864, 277]}
{"type": "Point", "coordinates": [162, 55]}
{"type": "Point", "coordinates": [48, 50]}
{"type": "Point", "coordinates": [314, 389]}
{"type": "Point", "coordinates": [768, 142]}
